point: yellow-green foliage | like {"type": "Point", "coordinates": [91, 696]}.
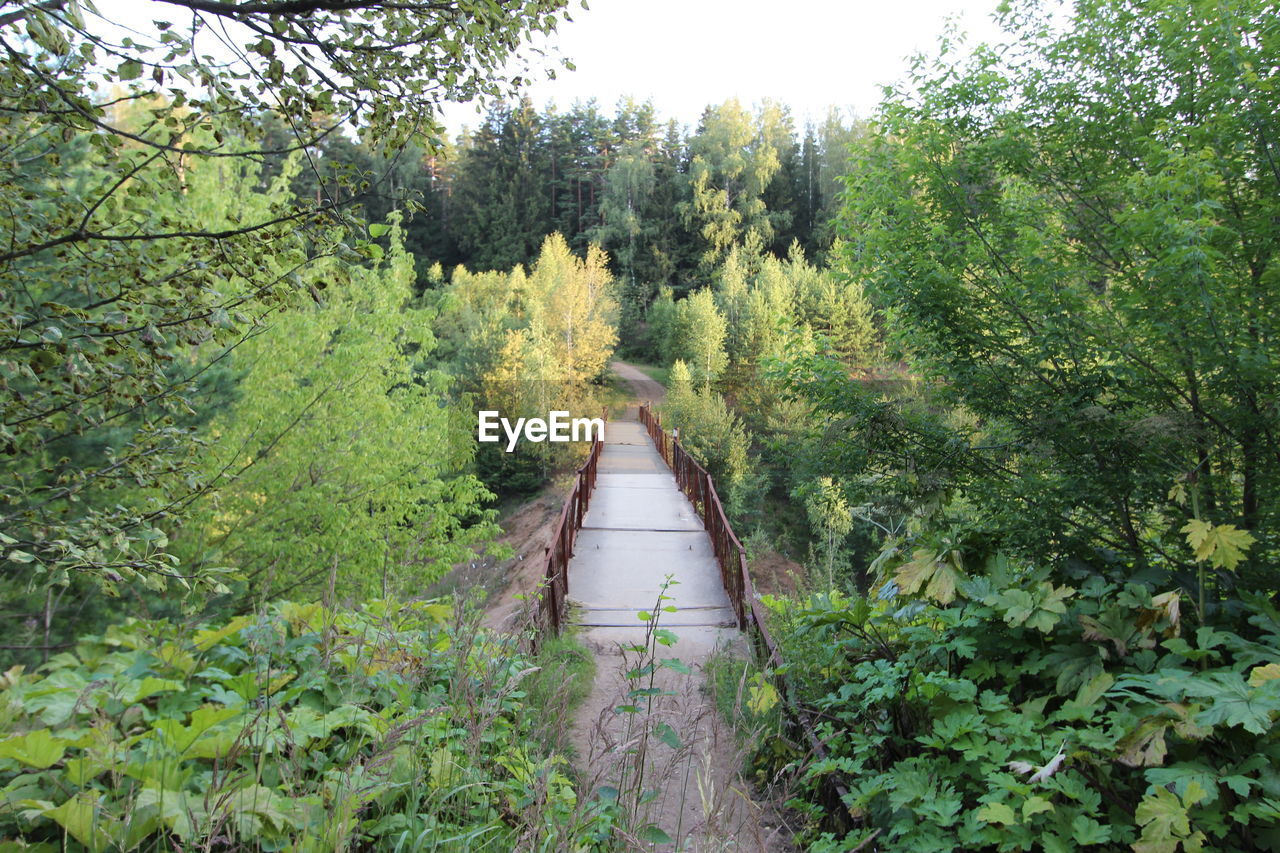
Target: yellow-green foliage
{"type": "Point", "coordinates": [555, 324]}
{"type": "Point", "coordinates": [708, 429]}
{"type": "Point", "coordinates": [528, 344]}
{"type": "Point", "coordinates": [300, 728]}
{"type": "Point", "coordinates": [340, 465]}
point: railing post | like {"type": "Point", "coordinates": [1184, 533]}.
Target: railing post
{"type": "Point", "coordinates": [566, 534]}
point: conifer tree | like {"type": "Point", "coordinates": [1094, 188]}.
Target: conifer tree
{"type": "Point", "coordinates": [699, 337]}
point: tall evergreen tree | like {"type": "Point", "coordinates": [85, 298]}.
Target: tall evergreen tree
{"type": "Point", "coordinates": [776, 130]}
{"type": "Point", "coordinates": [699, 336]}
{"type": "Point", "coordinates": [499, 217]}
{"type": "Point", "coordinates": [808, 191]}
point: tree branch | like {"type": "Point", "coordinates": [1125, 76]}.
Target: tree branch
{"type": "Point", "coordinates": [12, 18]}
{"type": "Point", "coordinates": [81, 235]}
{"type": "Point", "coordinates": [299, 7]}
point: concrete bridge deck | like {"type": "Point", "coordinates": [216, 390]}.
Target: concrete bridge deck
{"type": "Point", "coordinates": [640, 529]}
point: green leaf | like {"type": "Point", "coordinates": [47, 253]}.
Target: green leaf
{"type": "Point", "coordinates": [676, 665]}
{"type": "Point", "coordinates": [39, 749]}
{"type": "Point", "coordinates": [654, 834]}
{"type": "Point", "coordinates": [913, 574]}
{"type": "Point", "coordinates": [1260, 675]}
{"type": "Point", "coordinates": [1034, 805]}
{"type": "Point", "coordinates": [48, 36]}
{"type": "Point", "coordinates": [1164, 820]}
{"type": "Point", "coordinates": [130, 69]}
{"type": "Point", "coordinates": [1235, 703]}
{"type": "Point", "coordinates": [377, 229]}
{"type": "Point", "coordinates": [206, 717]}
{"type": "Point", "coordinates": [1085, 831]}
{"type": "Point", "coordinates": [81, 818]}
{"type": "Point", "coordinates": [151, 685]}
{"type": "Point", "coordinates": [81, 771]}
{"type": "Point", "coordinates": [1223, 545]}
{"type": "Point", "coordinates": [762, 696]}
{"type": "Point", "coordinates": [207, 639]}
{"type": "Point", "coordinates": [1239, 785]}
{"type": "Point", "coordinates": [181, 811]}
{"type": "Point", "coordinates": [937, 573]}
{"type": "Point", "coordinates": [1145, 745]}
{"type": "Point", "coordinates": [1039, 608]}
{"type": "Point", "coordinates": [1178, 778]}
{"type": "Point", "coordinates": [667, 735]}
{"type": "Point", "coordinates": [999, 813]}
{"type": "Point", "coordinates": [1056, 844]}
{"type": "Point", "coordinates": [1091, 692]}
{"type": "Point", "coordinates": [443, 768]}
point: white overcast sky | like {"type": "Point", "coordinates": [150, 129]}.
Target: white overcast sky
{"type": "Point", "coordinates": [685, 54]}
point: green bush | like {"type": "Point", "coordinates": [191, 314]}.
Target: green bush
{"type": "Point", "coordinates": [1024, 715]}
{"type": "Point", "coordinates": [302, 728]}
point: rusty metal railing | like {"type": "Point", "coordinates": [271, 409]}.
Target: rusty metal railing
{"type": "Point", "coordinates": [550, 612]}
{"type": "Point", "coordinates": [698, 486]}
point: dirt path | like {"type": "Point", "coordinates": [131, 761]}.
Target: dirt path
{"type": "Point", "coordinates": [642, 387]}
{"type": "Point", "coordinates": [693, 789]}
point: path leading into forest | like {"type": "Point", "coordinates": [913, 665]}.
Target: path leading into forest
{"type": "Point", "coordinates": [642, 386]}
{"type": "Point", "coordinates": [639, 530]}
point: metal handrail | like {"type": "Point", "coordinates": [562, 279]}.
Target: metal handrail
{"type": "Point", "coordinates": [698, 486]}
{"type": "Point", "coordinates": [550, 613]}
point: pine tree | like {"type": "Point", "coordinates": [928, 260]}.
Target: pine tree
{"type": "Point", "coordinates": [499, 215]}
{"type": "Point", "coordinates": [662, 325]}
{"type": "Point", "coordinates": [699, 337]}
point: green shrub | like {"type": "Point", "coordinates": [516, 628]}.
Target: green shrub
{"type": "Point", "coordinates": [1024, 715]}
{"type": "Point", "coordinates": [302, 728]}
{"type": "Point", "coordinates": [566, 673]}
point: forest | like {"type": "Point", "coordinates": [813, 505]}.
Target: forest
{"type": "Point", "coordinates": [993, 370]}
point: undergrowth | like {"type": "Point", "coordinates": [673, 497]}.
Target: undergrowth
{"type": "Point", "coordinates": [1019, 714]}
{"type": "Point", "coordinates": [393, 727]}
{"type": "Point", "coordinates": [566, 672]}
